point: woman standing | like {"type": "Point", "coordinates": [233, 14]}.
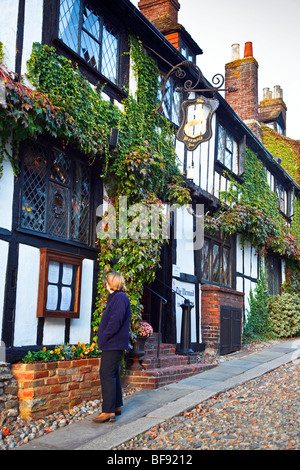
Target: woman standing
{"type": "Point", "coordinates": [113, 339]}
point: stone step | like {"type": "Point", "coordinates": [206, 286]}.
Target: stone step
{"type": "Point", "coordinates": [164, 349]}
{"type": "Point", "coordinates": [166, 360]}
{"type": "Point", "coordinates": [159, 377]}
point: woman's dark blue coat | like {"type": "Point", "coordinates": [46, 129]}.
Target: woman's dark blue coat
{"type": "Point", "coordinates": [113, 332]}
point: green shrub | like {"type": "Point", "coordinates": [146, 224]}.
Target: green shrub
{"type": "Point", "coordinates": [284, 315]}
{"type": "Point", "coordinates": [257, 327]}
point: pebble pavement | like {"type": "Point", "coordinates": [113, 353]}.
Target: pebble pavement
{"type": "Point", "coordinates": [261, 414]}
{"type": "Point", "coordinates": [21, 431]}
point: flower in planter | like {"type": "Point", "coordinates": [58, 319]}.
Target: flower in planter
{"type": "Point", "coordinates": [63, 352]}
{"type": "Point", "coordinates": [144, 330]}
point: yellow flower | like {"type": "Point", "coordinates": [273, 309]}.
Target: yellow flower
{"type": "Point", "coordinates": [51, 352]}
{"type": "Point", "coordinates": [79, 344]}
{"type": "Point", "coordinates": [81, 355]}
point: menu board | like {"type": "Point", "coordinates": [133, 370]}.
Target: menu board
{"type": "Point", "coordinates": [59, 289]}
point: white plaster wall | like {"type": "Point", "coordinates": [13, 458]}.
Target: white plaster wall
{"type": "Point", "coordinates": [3, 267]}
{"type": "Point", "coordinates": [6, 196]}
{"type": "Point", "coordinates": [80, 329]}
{"type": "Point", "coordinates": [184, 240]}
{"type": "Point", "coordinates": [26, 303]}
{"type": "Point", "coordinates": [32, 29]}
{"type": "Point", "coordinates": [239, 254]}
{"type": "Point", "coordinates": [27, 294]}
{"type": "Point", "coordinates": [200, 162]}
{"type": "Point", "coordinates": [8, 30]}
{"type": "Point", "coordinates": [132, 80]}
{"type": "Point", "coordinates": [179, 149]}
{"type": "Point", "coordinates": [247, 264]}
{"type": "Point", "coordinates": [283, 276]}
{"type": "Point", "coordinates": [211, 156]}
{"type": "Point", "coordinates": [54, 331]}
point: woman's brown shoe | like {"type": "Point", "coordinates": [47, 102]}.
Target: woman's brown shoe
{"type": "Point", "coordinates": [105, 418]}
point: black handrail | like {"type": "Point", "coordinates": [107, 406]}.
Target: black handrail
{"type": "Point", "coordinates": [161, 301]}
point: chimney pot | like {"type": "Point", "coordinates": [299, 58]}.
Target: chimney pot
{"type": "Point", "coordinates": [267, 94]}
{"type": "Point", "coordinates": [248, 51]}
{"type": "Point", "coordinates": [278, 92]}
{"type": "Point", "coordinates": [235, 52]}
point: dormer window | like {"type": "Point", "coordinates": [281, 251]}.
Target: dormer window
{"type": "Point", "coordinates": [186, 52]}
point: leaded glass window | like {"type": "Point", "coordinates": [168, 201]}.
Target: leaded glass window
{"type": "Point", "coordinates": [55, 193]}
{"type": "Point", "coordinates": [282, 197]}
{"type": "Point", "coordinates": [205, 261]}
{"type": "Point", "coordinates": [170, 106]}
{"type": "Point", "coordinates": [227, 148]}
{"type": "Point", "coordinates": [226, 267]}
{"type": "Point", "coordinates": [87, 33]}
{"type": "Point", "coordinates": [215, 262]}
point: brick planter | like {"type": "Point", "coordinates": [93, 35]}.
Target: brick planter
{"type": "Point", "coordinates": [48, 387]}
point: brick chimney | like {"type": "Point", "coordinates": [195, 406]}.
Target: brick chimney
{"type": "Point", "coordinates": [272, 109]}
{"type": "Point", "coordinates": [160, 11]}
{"type": "Point", "coordinates": [243, 74]}
{"type": "Point", "coordinates": [164, 15]}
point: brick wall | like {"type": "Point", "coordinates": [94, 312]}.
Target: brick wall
{"type": "Point", "coordinates": [160, 10]}
{"type": "Point", "coordinates": [212, 298]}
{"type": "Point", "coordinates": [243, 74]}
{"type": "Point", "coordinates": [174, 39]}
{"type": "Point", "coordinates": [48, 387]}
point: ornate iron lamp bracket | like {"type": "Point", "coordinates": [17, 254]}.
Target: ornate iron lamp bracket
{"type": "Point", "coordinates": [188, 87]}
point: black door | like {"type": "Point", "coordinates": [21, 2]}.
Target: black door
{"type": "Point", "coordinates": [230, 330]}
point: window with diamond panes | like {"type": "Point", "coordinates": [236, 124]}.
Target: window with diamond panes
{"type": "Point", "coordinates": [170, 106]}
{"type": "Point", "coordinates": [55, 193]}
{"type": "Point", "coordinates": [87, 33]}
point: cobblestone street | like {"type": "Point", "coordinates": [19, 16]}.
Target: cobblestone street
{"type": "Point", "coordinates": [264, 413]}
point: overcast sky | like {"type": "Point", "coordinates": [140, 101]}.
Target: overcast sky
{"type": "Point", "coordinates": [273, 26]}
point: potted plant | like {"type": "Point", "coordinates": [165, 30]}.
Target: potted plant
{"type": "Point", "coordinates": [143, 332]}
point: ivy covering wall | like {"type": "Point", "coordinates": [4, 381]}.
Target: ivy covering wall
{"type": "Point", "coordinates": [288, 150]}
{"type": "Point", "coordinates": [142, 168]}
{"type": "Point", "coordinates": [251, 209]}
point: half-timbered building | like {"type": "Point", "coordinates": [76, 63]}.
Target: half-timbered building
{"type": "Point", "coordinates": [47, 213]}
